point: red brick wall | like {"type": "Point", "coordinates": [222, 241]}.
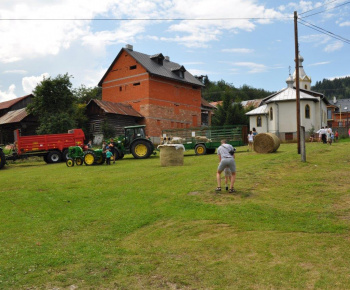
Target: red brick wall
{"type": "Point", "coordinates": [163, 102]}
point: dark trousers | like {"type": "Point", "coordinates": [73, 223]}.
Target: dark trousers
{"type": "Point", "coordinates": [108, 161]}
{"type": "Point", "coordinates": [324, 138]}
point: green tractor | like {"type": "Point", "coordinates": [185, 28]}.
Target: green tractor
{"type": "Point", "coordinates": [135, 142]}
{"type": "Point", "coordinates": [77, 156]}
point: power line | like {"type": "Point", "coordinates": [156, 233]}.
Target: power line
{"type": "Point", "coordinates": [327, 9]}
{"type": "Point", "coordinates": [318, 7]}
{"type": "Point", "coordinates": [144, 19]}
{"type": "Point", "coordinates": [319, 29]}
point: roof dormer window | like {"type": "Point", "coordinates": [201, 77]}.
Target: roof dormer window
{"type": "Point", "coordinates": [158, 58]}
{"type": "Point", "coordinates": [179, 71]}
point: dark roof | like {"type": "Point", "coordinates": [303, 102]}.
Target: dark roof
{"type": "Point", "coordinates": [344, 104]}
{"type": "Point", "coordinates": [13, 116]}
{"type": "Point", "coordinates": [116, 108]}
{"type": "Point", "coordinates": [10, 103]}
{"type": "Point", "coordinates": [206, 104]}
{"type": "Point", "coordinates": [166, 70]}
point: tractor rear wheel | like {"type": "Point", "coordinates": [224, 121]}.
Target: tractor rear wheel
{"type": "Point", "coordinates": [2, 159]}
{"type": "Point", "coordinates": [79, 161]}
{"type": "Point", "coordinates": [53, 157]}
{"type": "Point", "coordinates": [141, 149]}
{"type": "Point", "coordinates": [70, 162]}
{"type": "Point", "coordinates": [200, 149]}
{"type": "Point", "coordinates": [89, 158]}
{"type": "Point", "coordinates": [119, 155]}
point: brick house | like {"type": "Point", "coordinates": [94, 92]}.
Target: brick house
{"type": "Point", "coordinates": [338, 115]}
{"type": "Point", "coordinates": [162, 91]}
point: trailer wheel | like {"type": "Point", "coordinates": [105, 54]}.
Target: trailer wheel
{"type": "Point", "coordinates": [79, 161]}
{"type": "Point", "coordinates": [2, 159]}
{"type": "Point", "coordinates": [65, 155]}
{"type": "Point", "coordinates": [54, 157]}
{"type": "Point", "coordinates": [200, 149]}
{"type": "Point", "coordinates": [89, 158]}
{"type": "Point", "coordinates": [70, 162]}
{"type": "Point", "coordinates": [100, 160]}
{"type": "Point", "coordinates": [211, 151]}
{"type": "Point", "coordinates": [141, 149]}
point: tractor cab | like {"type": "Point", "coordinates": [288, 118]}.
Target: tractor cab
{"type": "Point", "coordinates": [132, 133]}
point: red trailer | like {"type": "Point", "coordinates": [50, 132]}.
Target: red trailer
{"type": "Point", "coordinates": [53, 147]}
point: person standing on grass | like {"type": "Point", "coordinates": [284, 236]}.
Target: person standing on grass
{"type": "Point", "coordinates": [228, 175]}
{"type": "Point", "coordinates": [226, 160]}
{"type": "Point", "coordinates": [336, 135]}
{"type": "Point", "coordinates": [254, 133]}
{"type": "Point", "coordinates": [250, 141]}
{"type": "Point", "coordinates": [113, 148]}
{"type": "Point", "coordinates": [109, 154]}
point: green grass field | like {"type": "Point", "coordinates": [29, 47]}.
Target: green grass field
{"type": "Point", "coordinates": [137, 225]}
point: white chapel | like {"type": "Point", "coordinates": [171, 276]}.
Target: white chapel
{"type": "Point", "coordinates": [277, 113]}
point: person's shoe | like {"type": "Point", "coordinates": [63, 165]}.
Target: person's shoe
{"type": "Point", "coordinates": [232, 190]}
{"type": "Point", "coordinates": [218, 189]}
{"type": "Point", "coordinates": [226, 188]}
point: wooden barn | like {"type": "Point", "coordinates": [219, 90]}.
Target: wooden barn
{"type": "Point", "coordinates": [108, 116]}
{"type": "Point", "coordinates": [13, 115]}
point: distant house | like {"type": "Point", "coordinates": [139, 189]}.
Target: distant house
{"type": "Point", "coordinates": [162, 91]}
{"type": "Point", "coordinates": [338, 114]}
{"type": "Point", "coordinates": [277, 114]}
{"type": "Point", "coordinates": [115, 115]}
{"type": "Point", "coordinates": [13, 115]}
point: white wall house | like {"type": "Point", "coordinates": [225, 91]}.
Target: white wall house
{"type": "Point", "coordinates": [277, 114]}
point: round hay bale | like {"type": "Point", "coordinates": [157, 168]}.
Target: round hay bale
{"type": "Point", "coordinates": [171, 155]}
{"type": "Point", "coordinates": [266, 143]}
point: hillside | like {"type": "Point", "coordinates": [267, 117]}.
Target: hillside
{"type": "Point", "coordinates": [215, 91]}
{"type": "Point", "coordinates": [339, 88]}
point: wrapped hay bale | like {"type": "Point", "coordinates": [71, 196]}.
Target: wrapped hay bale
{"type": "Point", "coordinates": [266, 143]}
{"type": "Point", "coordinates": [171, 155]}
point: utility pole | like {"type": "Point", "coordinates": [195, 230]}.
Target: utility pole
{"type": "Point", "coordinates": [297, 77]}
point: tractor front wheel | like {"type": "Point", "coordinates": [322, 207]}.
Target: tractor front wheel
{"type": "Point", "coordinates": [70, 162]}
{"type": "Point", "coordinates": [79, 161]}
{"type": "Point", "coordinates": [200, 149]}
{"type": "Point", "coordinates": [89, 158]}
{"type": "Point", "coordinates": [141, 149]}
{"type": "Point", "coordinates": [2, 159]}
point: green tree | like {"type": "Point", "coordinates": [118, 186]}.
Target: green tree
{"type": "Point", "coordinates": [54, 105]}
{"type": "Point", "coordinates": [84, 94]}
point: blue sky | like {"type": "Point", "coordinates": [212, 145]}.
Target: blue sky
{"type": "Point", "coordinates": [228, 43]}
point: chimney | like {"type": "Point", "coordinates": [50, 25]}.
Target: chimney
{"type": "Point", "coordinates": [129, 46]}
{"type": "Point", "coordinates": [334, 100]}
{"type": "Point", "coordinates": [167, 58]}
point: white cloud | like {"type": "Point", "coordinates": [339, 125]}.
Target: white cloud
{"type": "Point", "coordinates": [29, 83]}
{"type": "Point", "coordinates": [15, 71]}
{"type": "Point", "coordinates": [319, 63]}
{"type": "Point", "coordinates": [238, 50]}
{"type": "Point", "coordinates": [9, 94]}
{"type": "Point", "coordinates": [334, 46]}
{"type": "Point", "coordinates": [346, 23]}
{"type": "Point", "coordinates": [252, 67]}
{"type": "Point", "coordinates": [41, 38]}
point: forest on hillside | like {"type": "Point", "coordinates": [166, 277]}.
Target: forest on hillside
{"type": "Point", "coordinates": [215, 91]}
{"type": "Point", "coordinates": [338, 87]}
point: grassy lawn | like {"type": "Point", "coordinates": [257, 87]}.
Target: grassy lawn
{"type": "Point", "coordinates": [137, 225]}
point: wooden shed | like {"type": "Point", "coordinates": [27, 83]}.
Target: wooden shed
{"type": "Point", "coordinates": [116, 116]}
